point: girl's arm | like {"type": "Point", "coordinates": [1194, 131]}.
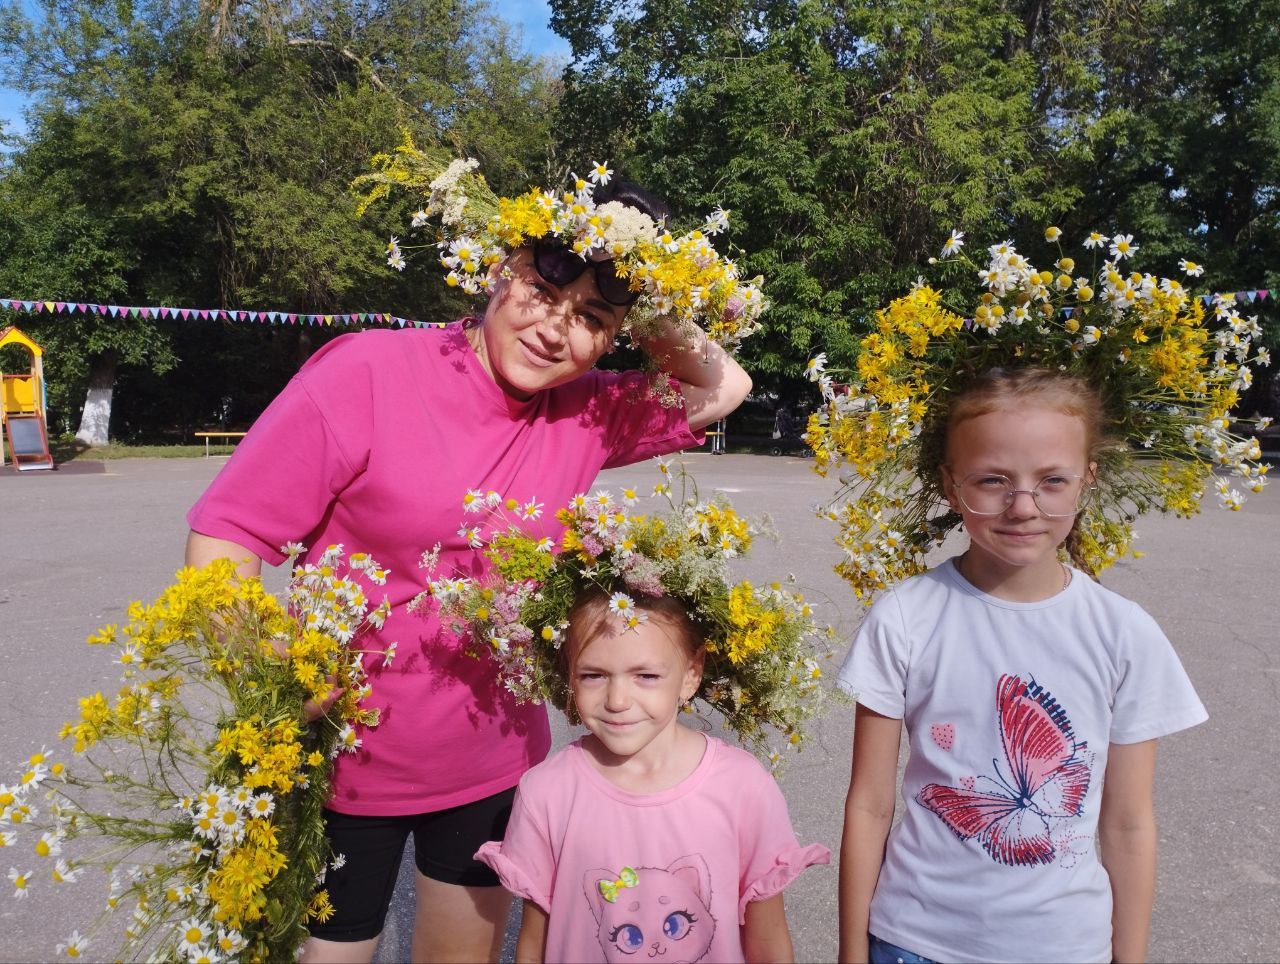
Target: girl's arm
{"type": "Point", "coordinates": [713, 384]}
{"type": "Point", "coordinates": [531, 945]}
{"type": "Point", "coordinates": [868, 814]}
{"type": "Point", "coordinates": [765, 938]}
{"type": "Point", "coordinates": [1127, 833]}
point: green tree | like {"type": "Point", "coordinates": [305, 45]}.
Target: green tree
{"type": "Point", "coordinates": [207, 151]}
{"type": "Point", "coordinates": [850, 136]}
{"type": "Point", "coordinates": [847, 137]}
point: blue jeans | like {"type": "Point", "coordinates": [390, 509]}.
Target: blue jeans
{"type": "Point", "coordinates": [882, 952]}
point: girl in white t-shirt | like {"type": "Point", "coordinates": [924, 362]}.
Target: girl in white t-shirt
{"type": "Point", "coordinates": [1032, 699]}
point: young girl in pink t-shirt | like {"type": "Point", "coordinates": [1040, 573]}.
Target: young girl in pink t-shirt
{"type": "Point", "coordinates": [645, 835]}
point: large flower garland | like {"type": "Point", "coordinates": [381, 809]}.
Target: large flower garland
{"type": "Point", "coordinates": [1168, 372]}
{"type": "Point", "coordinates": [761, 669]}
{"type": "Point", "coordinates": [201, 783]}
{"type": "Point", "coordinates": [678, 276]}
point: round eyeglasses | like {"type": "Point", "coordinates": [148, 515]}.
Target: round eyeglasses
{"type": "Point", "coordinates": [1056, 496]}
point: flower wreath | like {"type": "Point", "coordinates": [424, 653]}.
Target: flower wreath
{"type": "Point", "coordinates": [198, 789]}
{"type": "Point", "coordinates": [761, 668]}
{"type": "Point", "coordinates": [1168, 373]}
{"type": "Point", "coordinates": [678, 276]}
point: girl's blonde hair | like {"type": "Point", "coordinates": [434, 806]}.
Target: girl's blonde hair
{"type": "Point", "coordinates": [1000, 388]}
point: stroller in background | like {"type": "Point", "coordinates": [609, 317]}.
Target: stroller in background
{"type": "Point", "coordinates": [788, 434]}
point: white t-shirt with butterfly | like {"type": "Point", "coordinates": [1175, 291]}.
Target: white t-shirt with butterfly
{"type": "Point", "coordinates": [1009, 708]}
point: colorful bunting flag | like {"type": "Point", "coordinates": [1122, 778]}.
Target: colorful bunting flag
{"type": "Point", "coordinates": [222, 314]}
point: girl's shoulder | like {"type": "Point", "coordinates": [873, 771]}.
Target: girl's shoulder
{"type": "Point", "coordinates": [556, 771]}
{"type": "Point", "coordinates": [736, 769]}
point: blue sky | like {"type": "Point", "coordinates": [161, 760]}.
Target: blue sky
{"type": "Point", "coordinates": [532, 16]}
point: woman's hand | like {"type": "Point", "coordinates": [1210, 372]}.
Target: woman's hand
{"type": "Point", "coordinates": [713, 384]}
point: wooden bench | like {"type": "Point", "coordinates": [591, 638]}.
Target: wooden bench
{"type": "Point", "coordinates": [208, 435]}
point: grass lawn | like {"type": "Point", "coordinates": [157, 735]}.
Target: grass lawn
{"type": "Point", "coordinates": [71, 451]}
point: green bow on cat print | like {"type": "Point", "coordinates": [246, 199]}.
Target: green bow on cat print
{"type": "Point", "coordinates": [609, 888]}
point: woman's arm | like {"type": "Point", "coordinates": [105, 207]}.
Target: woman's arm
{"type": "Point", "coordinates": [868, 814]}
{"type": "Point", "coordinates": [202, 550]}
{"type": "Point", "coordinates": [1127, 833]}
{"type": "Point", "coordinates": [765, 938]}
{"type": "Point", "coordinates": [531, 945]}
{"type": "Point", "coordinates": [713, 384]}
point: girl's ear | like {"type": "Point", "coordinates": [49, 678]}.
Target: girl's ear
{"type": "Point", "coordinates": [692, 677]}
{"type": "Point", "coordinates": [949, 487]}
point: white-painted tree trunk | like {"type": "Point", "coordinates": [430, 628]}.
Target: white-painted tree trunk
{"type": "Point", "coordinates": [95, 422]}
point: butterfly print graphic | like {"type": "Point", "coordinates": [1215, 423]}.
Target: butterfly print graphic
{"type": "Point", "coordinates": [1015, 818]}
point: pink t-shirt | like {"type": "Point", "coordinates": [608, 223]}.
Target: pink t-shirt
{"type": "Point", "coordinates": [680, 865]}
{"type": "Point", "coordinates": [373, 445]}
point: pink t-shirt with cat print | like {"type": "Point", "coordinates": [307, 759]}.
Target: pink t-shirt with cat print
{"type": "Point", "coordinates": [668, 874]}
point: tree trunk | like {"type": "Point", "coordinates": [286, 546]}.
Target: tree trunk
{"type": "Point", "coordinates": [96, 420]}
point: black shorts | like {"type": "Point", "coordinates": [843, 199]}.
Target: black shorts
{"type": "Point", "coordinates": [444, 843]}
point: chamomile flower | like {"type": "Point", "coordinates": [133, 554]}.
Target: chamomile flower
{"type": "Point", "coordinates": [347, 741]}
{"type": "Point", "coordinates": [1191, 268]}
{"type": "Point", "coordinates": [620, 604]}
{"type": "Point", "coordinates": [262, 805]}
{"type": "Point", "coordinates": [1122, 246]}
{"type": "Point", "coordinates": [49, 845]}
{"type": "Point", "coordinates": [816, 365]}
{"type": "Point", "coordinates": [599, 173]}
{"type": "Point", "coordinates": [192, 933]}
{"type": "Point", "coordinates": [338, 862]}
{"type": "Point", "coordinates": [1096, 240]}
{"type": "Point", "coordinates": [1052, 233]}
{"type": "Point", "coordinates": [953, 244]}
{"type": "Point", "coordinates": [74, 946]}
{"type": "Point", "coordinates": [633, 620]}
{"type": "Point", "coordinates": [21, 881]}
{"type": "Point", "coordinates": [65, 873]}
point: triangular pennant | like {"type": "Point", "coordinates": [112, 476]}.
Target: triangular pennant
{"type": "Point", "coordinates": [113, 310]}
{"type": "Point", "coordinates": [15, 305]}
{"type": "Point", "coordinates": [48, 306]}
{"type": "Point", "coordinates": [204, 314]}
{"type": "Point", "coordinates": [186, 313]}
{"type": "Point", "coordinates": [101, 309]}
{"type": "Point", "coordinates": [133, 312]}
{"type": "Point", "coordinates": [27, 305]}
{"type": "Point", "coordinates": [1263, 293]}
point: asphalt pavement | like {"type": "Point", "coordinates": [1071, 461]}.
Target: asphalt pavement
{"type": "Point", "coordinates": [76, 546]}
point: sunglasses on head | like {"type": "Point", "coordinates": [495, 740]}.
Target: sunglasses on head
{"type": "Point", "coordinates": [558, 265]}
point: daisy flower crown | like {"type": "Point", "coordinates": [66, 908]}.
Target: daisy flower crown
{"type": "Point", "coordinates": [761, 668]}
{"type": "Point", "coordinates": [1168, 365]}
{"type": "Point", "coordinates": [675, 276]}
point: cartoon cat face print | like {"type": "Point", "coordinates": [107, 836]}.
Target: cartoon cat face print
{"type": "Point", "coordinates": [659, 914]}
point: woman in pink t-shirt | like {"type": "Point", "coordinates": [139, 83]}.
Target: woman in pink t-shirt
{"type": "Point", "coordinates": [373, 445]}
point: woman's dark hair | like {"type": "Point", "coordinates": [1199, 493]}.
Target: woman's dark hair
{"type": "Point", "coordinates": [633, 196]}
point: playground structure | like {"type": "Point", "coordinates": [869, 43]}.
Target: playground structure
{"type": "Point", "coordinates": [23, 416]}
